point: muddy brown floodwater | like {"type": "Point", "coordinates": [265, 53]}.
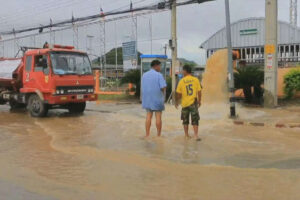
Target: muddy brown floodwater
{"type": "Point", "coordinates": [101, 155]}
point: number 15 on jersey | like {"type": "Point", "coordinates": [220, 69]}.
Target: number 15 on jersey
{"type": "Point", "coordinates": [189, 90]}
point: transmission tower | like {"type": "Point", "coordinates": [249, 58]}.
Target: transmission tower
{"type": "Point", "coordinates": [32, 41]}
{"type": "Point", "coordinates": [134, 36]}
{"type": "Point", "coordinates": [16, 43]}
{"type": "Point", "coordinates": [102, 46]}
{"type": "Point", "coordinates": [89, 44]}
{"type": "Point", "coordinates": [293, 13]}
{"type": "Point", "coordinates": [1, 49]}
{"type": "Point", "coordinates": [52, 34]}
{"type": "Point", "coordinates": [75, 33]}
{"type": "Point", "coordinates": [75, 36]}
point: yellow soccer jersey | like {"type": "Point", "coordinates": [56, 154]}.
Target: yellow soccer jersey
{"type": "Point", "coordinates": [188, 87]}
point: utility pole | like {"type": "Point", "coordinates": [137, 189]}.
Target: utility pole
{"type": "Point", "coordinates": [116, 51]}
{"type": "Point", "coordinates": [293, 13]}
{"type": "Point", "coordinates": [165, 49]}
{"type": "Point", "coordinates": [293, 18]}
{"type": "Point", "coordinates": [174, 48]}
{"type": "Point", "coordinates": [271, 59]}
{"type": "Point", "coordinates": [230, 67]}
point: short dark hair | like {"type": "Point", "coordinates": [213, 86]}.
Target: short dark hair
{"type": "Point", "coordinates": [155, 62]}
{"type": "Point", "coordinates": [187, 68]}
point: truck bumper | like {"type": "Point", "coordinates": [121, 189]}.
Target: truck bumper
{"type": "Point", "coordinates": [65, 99]}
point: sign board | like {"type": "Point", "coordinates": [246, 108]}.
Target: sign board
{"type": "Point", "coordinates": [270, 49]}
{"type": "Point", "coordinates": [129, 55]}
{"type": "Point", "coordinates": [177, 67]}
{"type": "Point", "coordinates": [269, 61]}
{"type": "Point", "coordinates": [129, 50]}
{"type": "Point", "coordinates": [252, 31]}
{"type": "Point", "coordinates": [129, 64]}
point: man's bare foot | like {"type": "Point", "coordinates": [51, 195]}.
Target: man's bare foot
{"type": "Point", "coordinates": [187, 137]}
{"type": "Point", "coordinates": [145, 137]}
{"type": "Point", "coordinates": [197, 139]}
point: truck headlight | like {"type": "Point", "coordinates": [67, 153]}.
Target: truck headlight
{"type": "Point", "coordinates": [60, 91]}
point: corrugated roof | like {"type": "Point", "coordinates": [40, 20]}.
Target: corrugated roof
{"type": "Point", "coordinates": [251, 32]}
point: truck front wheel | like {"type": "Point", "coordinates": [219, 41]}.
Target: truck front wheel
{"type": "Point", "coordinates": [76, 108]}
{"type": "Point", "coordinates": [37, 107]}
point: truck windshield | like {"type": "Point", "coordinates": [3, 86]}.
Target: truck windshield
{"type": "Point", "coordinates": [68, 63]}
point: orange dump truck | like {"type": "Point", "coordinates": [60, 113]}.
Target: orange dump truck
{"type": "Point", "coordinates": [47, 78]}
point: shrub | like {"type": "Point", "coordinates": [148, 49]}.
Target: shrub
{"type": "Point", "coordinates": [292, 83]}
{"type": "Point", "coordinates": [247, 78]}
{"type": "Point", "coordinates": [134, 77]}
{"type": "Point", "coordinates": [169, 87]}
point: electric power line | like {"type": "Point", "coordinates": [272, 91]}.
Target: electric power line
{"type": "Point", "coordinates": [159, 6]}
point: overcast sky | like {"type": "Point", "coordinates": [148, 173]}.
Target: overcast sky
{"type": "Point", "coordinates": [196, 23]}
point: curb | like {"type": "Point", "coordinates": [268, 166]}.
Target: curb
{"type": "Point", "coordinates": [260, 124]}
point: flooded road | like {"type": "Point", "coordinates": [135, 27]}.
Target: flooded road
{"type": "Point", "coordinates": [101, 155]}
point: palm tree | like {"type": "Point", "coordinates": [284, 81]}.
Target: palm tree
{"type": "Point", "coordinates": [247, 78]}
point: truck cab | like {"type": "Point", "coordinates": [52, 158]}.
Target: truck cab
{"type": "Point", "coordinates": [53, 77]}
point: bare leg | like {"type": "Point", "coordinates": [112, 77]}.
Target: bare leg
{"type": "Point", "coordinates": [186, 131]}
{"type": "Point", "coordinates": [196, 133]}
{"type": "Point", "coordinates": [148, 123]}
{"type": "Point", "coordinates": [158, 123]}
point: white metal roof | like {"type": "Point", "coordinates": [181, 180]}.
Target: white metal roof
{"type": "Point", "coordinates": [243, 37]}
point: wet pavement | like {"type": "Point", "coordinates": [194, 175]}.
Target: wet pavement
{"type": "Point", "coordinates": [100, 155]}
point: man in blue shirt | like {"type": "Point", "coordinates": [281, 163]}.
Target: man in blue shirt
{"type": "Point", "coordinates": [153, 95]}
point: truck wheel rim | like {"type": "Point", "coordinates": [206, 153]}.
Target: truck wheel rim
{"type": "Point", "coordinates": [36, 106]}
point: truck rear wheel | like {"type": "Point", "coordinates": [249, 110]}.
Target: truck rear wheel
{"type": "Point", "coordinates": [76, 108]}
{"type": "Point", "coordinates": [37, 107]}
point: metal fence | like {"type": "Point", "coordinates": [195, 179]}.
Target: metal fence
{"type": "Point", "coordinates": [88, 37]}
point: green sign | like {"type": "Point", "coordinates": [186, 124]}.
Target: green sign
{"type": "Point", "coordinates": [253, 31]}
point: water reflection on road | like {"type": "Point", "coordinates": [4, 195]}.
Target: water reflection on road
{"type": "Point", "coordinates": [101, 155]}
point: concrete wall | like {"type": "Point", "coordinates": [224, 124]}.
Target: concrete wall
{"type": "Point", "coordinates": [280, 81]}
{"type": "Point", "coordinates": [281, 73]}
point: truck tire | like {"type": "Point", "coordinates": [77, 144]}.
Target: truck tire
{"type": "Point", "coordinates": [37, 107]}
{"type": "Point", "coordinates": [76, 108]}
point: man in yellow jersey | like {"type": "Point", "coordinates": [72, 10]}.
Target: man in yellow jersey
{"type": "Point", "coordinates": [189, 91]}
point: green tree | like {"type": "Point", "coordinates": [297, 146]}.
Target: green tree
{"type": "Point", "coordinates": [134, 77]}
{"type": "Point", "coordinates": [247, 78]}
{"type": "Point", "coordinates": [292, 83]}
{"type": "Point", "coordinates": [111, 57]}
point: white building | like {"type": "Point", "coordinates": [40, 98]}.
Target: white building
{"type": "Point", "coordinates": [248, 37]}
